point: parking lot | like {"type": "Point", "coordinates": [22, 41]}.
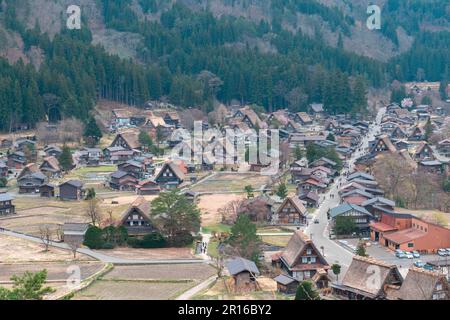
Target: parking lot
{"type": "Point", "coordinates": [376, 251]}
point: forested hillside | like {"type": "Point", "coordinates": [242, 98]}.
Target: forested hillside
{"type": "Point", "coordinates": [191, 56]}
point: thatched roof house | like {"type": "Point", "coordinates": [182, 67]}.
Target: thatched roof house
{"type": "Point", "coordinates": [421, 284]}
{"type": "Point", "coordinates": [367, 278]}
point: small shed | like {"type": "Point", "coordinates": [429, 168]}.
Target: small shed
{"type": "Point", "coordinates": [286, 284]}
{"type": "Point", "coordinates": [74, 232]}
{"type": "Point", "coordinates": [243, 271]}
{"type": "Point", "coordinates": [47, 190]}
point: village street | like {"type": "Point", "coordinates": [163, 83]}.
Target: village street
{"type": "Point", "coordinates": [319, 233]}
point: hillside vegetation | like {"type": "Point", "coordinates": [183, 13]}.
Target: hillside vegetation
{"type": "Point", "coordinates": [194, 51]}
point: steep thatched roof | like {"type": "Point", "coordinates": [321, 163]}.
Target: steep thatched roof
{"type": "Point", "coordinates": [141, 205]}
{"type": "Point", "coordinates": [295, 248]}
{"type": "Point", "coordinates": [419, 284]}
{"type": "Point", "coordinates": [369, 276]}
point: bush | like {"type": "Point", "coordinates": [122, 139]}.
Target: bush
{"type": "Point", "coordinates": [108, 246]}
{"type": "Point", "coordinates": [107, 238]}
{"type": "Point", "coordinates": [150, 241]}
{"type": "Point", "coordinates": [306, 291]}
{"type": "Point", "coordinates": [182, 240]}
{"type": "Point", "coordinates": [94, 238]}
{"type": "Point", "coordinates": [153, 240]}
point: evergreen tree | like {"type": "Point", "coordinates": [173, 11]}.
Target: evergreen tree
{"type": "Point", "coordinates": [176, 217]}
{"type": "Point", "coordinates": [29, 286]}
{"type": "Point", "coordinates": [66, 159]}
{"type": "Point", "coordinates": [298, 154]}
{"type": "Point", "coordinates": [282, 191]}
{"type": "Point", "coordinates": [244, 240]}
{"type": "Point", "coordinates": [92, 133]}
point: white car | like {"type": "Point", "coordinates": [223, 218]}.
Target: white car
{"type": "Point", "coordinates": [409, 255]}
{"type": "Point", "coordinates": [442, 252]}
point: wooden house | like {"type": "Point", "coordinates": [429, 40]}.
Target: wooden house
{"type": "Point", "coordinates": [135, 168]}
{"type": "Point", "coordinates": [360, 216]}
{"type": "Point", "coordinates": [172, 118]}
{"type": "Point", "coordinates": [417, 134]}
{"type": "Point", "coordinates": [16, 160]}
{"type": "Point", "coordinates": [286, 284]}
{"type": "Point", "coordinates": [170, 176]}
{"type": "Point", "coordinates": [292, 211]}
{"type": "Point", "coordinates": [311, 199]}
{"type": "Point", "coordinates": [323, 162]}
{"type": "Point", "coordinates": [6, 204]}
{"type": "Point", "coordinates": [301, 259]}
{"type": "Point", "coordinates": [71, 190]}
{"type": "Point", "coordinates": [243, 271]}
{"type": "Point", "coordinates": [52, 151]}
{"type": "Point", "coordinates": [147, 187]}
{"type": "Point", "coordinates": [356, 197]}
{"type": "Point", "coordinates": [422, 152]}
{"type": "Point", "coordinates": [303, 118]}
{"type": "Point", "coordinates": [47, 190]}
{"type": "Point", "coordinates": [30, 183]}
{"type": "Point", "coordinates": [136, 219]}
{"type": "Point", "coordinates": [359, 284]}
{"type": "Point", "coordinates": [50, 167]}
{"type": "Point", "coordinates": [74, 233]}
{"type": "Point", "coordinates": [311, 184]}
{"type": "Point", "coordinates": [421, 284]}
{"type": "Point", "coordinates": [123, 181]}
{"type": "Point", "coordinates": [121, 118]}
{"type": "Point", "coordinates": [128, 140]}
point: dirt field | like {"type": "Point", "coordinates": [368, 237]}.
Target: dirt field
{"type": "Point", "coordinates": [280, 241]}
{"type": "Point", "coordinates": [34, 212]}
{"type": "Point", "coordinates": [209, 204]}
{"type": "Point", "coordinates": [56, 271]}
{"type": "Point", "coordinates": [159, 282]}
{"type": "Point", "coordinates": [130, 290]}
{"type": "Point", "coordinates": [227, 182]}
{"type": "Point", "coordinates": [149, 254]}
{"type": "Point", "coordinates": [14, 250]}
{"type": "Point", "coordinates": [178, 272]}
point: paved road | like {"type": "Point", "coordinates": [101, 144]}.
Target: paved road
{"type": "Point", "coordinates": [100, 256]}
{"type": "Point", "coordinates": [334, 253]}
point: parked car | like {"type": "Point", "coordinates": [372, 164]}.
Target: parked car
{"type": "Point", "coordinates": [398, 252]}
{"type": "Point", "coordinates": [448, 251]}
{"type": "Point", "coordinates": [401, 255]}
{"type": "Point", "coordinates": [416, 254]}
{"type": "Point", "coordinates": [409, 255]}
{"type": "Point", "coordinates": [442, 252]}
{"type": "Point", "coordinates": [428, 267]}
{"type": "Point", "coordinates": [419, 264]}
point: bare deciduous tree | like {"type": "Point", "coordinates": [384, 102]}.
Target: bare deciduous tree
{"type": "Point", "coordinates": [93, 212]}
{"type": "Point", "coordinates": [229, 212]}
{"type": "Point", "coordinates": [74, 244]}
{"type": "Point", "coordinates": [45, 234]}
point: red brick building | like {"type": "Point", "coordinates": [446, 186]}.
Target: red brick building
{"type": "Point", "coordinates": [409, 233]}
